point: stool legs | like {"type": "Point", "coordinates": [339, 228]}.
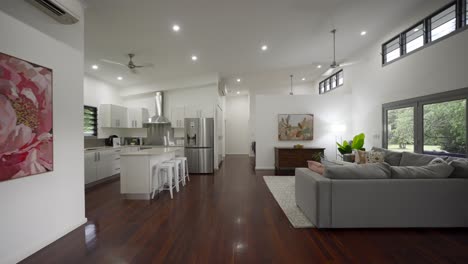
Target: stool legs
{"type": "Point", "coordinates": [186, 171]}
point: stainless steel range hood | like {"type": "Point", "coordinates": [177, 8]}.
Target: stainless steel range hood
{"type": "Point", "coordinates": [159, 117]}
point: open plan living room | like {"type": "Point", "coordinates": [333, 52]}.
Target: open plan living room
{"type": "Point", "coordinates": [224, 131]}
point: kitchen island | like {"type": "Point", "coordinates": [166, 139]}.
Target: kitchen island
{"type": "Point", "coordinates": [137, 168]}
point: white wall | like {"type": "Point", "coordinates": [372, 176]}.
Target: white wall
{"type": "Point", "coordinates": [328, 111]}
{"type": "Point", "coordinates": [237, 124]}
{"type": "Point", "coordinates": [39, 209]}
{"type": "Point", "coordinates": [437, 68]}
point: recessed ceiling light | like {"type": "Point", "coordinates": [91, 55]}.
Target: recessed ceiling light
{"type": "Point", "coordinates": [264, 47]}
{"type": "Point", "coordinates": [319, 66]}
{"type": "Point", "coordinates": [120, 78]}
{"type": "Point", "coordinates": [238, 92]}
{"type": "Point", "coordinates": [303, 79]}
{"type": "Point", "coordinates": [416, 29]}
{"type": "Point", "coordinates": [238, 80]}
{"type": "Point", "coordinates": [363, 33]}
{"type": "Point", "coordinates": [194, 58]}
{"type": "Point", "coordinates": [95, 67]}
{"type": "Point", "coordinates": [176, 28]}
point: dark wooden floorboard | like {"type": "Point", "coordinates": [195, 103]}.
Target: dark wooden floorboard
{"type": "Point", "coordinates": [232, 217]}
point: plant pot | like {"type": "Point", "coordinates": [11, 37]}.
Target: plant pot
{"type": "Point", "coordinates": [348, 157]}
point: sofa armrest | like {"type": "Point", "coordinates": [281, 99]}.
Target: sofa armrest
{"type": "Point", "coordinates": [313, 196]}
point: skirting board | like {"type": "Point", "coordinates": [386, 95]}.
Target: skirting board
{"type": "Point", "coordinates": [43, 244]}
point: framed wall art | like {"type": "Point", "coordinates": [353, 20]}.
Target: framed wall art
{"type": "Point", "coordinates": [26, 110]}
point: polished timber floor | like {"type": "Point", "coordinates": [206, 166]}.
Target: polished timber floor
{"type": "Point", "coordinates": [232, 218]}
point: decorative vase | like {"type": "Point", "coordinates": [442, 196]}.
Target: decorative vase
{"type": "Point", "coordinates": [348, 157]}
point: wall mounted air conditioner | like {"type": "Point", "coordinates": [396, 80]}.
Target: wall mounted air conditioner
{"type": "Point", "coordinates": [64, 11]}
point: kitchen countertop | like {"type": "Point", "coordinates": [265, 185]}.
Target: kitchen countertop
{"type": "Point", "coordinates": [130, 146]}
{"type": "Point", "coordinates": [153, 152]}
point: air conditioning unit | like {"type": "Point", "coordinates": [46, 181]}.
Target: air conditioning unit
{"type": "Point", "coordinates": [64, 11]}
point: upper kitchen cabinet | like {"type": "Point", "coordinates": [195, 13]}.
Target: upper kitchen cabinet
{"type": "Point", "coordinates": [137, 117]}
{"type": "Point", "coordinates": [177, 117]}
{"type": "Point", "coordinates": [113, 116]}
{"type": "Point", "coordinates": [199, 111]}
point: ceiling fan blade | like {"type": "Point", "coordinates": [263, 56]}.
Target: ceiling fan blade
{"type": "Point", "coordinates": [149, 65]}
{"type": "Point", "coordinates": [345, 64]}
{"type": "Point", "coordinates": [328, 72]}
{"type": "Point", "coordinates": [114, 62]}
{"type": "Point", "coordinates": [134, 71]}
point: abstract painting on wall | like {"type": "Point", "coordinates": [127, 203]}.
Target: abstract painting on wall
{"type": "Point", "coordinates": [26, 142]}
{"type": "Point", "coordinates": [295, 127]}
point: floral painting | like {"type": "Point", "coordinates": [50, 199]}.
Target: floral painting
{"type": "Point", "coordinates": [26, 142]}
{"type": "Point", "coordinates": [296, 127]}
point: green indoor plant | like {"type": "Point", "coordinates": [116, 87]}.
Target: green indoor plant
{"type": "Point", "coordinates": [346, 149]}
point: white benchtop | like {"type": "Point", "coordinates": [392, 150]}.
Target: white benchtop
{"type": "Point", "coordinates": [153, 152]}
{"type": "Point", "coordinates": [128, 146]}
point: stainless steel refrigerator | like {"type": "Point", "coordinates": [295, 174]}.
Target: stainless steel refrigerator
{"type": "Point", "coordinates": [199, 144]}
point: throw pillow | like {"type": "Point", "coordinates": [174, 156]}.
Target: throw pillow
{"type": "Point", "coordinates": [375, 157]}
{"type": "Point", "coordinates": [415, 159]}
{"type": "Point", "coordinates": [460, 168]}
{"type": "Point", "coordinates": [391, 157]}
{"type": "Point", "coordinates": [433, 171]}
{"type": "Point", "coordinates": [361, 157]}
{"type": "Point", "coordinates": [365, 171]}
{"type": "Point", "coordinates": [316, 167]}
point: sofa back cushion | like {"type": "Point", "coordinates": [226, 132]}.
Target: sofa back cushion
{"type": "Point", "coordinates": [460, 168]}
{"type": "Point", "coordinates": [391, 157]}
{"type": "Point", "coordinates": [431, 171]}
{"type": "Point", "coordinates": [415, 159]}
{"type": "Point", "coordinates": [365, 171]}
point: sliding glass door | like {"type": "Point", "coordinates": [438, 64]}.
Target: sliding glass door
{"type": "Point", "coordinates": [400, 129]}
{"type": "Point", "coordinates": [445, 128]}
{"type": "Point", "coordinates": [434, 124]}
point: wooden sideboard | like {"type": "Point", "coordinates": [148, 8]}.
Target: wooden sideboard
{"type": "Point", "coordinates": [287, 159]}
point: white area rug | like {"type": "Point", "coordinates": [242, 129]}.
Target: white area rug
{"type": "Point", "coordinates": [282, 188]}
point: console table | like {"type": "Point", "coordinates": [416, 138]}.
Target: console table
{"type": "Point", "coordinates": [287, 159]}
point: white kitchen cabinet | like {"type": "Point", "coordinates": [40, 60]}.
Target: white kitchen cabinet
{"type": "Point", "coordinates": [101, 164]}
{"type": "Point", "coordinates": [90, 167]}
{"type": "Point", "coordinates": [177, 117]}
{"type": "Point", "coordinates": [137, 117]}
{"type": "Point", "coordinates": [199, 111]}
{"type": "Point", "coordinates": [112, 116]}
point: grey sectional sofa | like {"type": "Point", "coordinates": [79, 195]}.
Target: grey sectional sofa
{"type": "Point", "coordinates": [382, 203]}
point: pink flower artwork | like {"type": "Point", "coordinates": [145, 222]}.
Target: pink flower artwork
{"type": "Point", "coordinates": [26, 141]}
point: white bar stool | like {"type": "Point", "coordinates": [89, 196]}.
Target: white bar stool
{"type": "Point", "coordinates": [185, 171]}
{"type": "Point", "coordinates": [163, 171]}
{"type": "Point", "coordinates": [176, 163]}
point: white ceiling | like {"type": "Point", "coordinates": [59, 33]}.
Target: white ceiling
{"type": "Point", "coordinates": [227, 35]}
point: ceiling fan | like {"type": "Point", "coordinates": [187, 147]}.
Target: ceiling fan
{"type": "Point", "coordinates": [130, 65]}
{"type": "Point", "coordinates": [334, 65]}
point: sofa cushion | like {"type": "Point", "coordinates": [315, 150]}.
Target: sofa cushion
{"type": "Point", "coordinates": [432, 171]}
{"type": "Point", "coordinates": [391, 157]}
{"type": "Point", "coordinates": [415, 159]}
{"type": "Point", "coordinates": [365, 171]}
{"type": "Point", "coordinates": [316, 167]}
{"type": "Point", "coordinates": [460, 168]}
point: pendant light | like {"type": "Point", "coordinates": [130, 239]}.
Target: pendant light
{"type": "Point", "coordinates": [291, 92]}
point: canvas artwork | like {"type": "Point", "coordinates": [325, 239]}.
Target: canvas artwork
{"type": "Point", "coordinates": [296, 127]}
{"type": "Point", "coordinates": [26, 142]}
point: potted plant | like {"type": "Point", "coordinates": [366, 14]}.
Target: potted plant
{"type": "Point", "coordinates": [346, 149]}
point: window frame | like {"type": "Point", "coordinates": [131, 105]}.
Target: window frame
{"type": "Point", "coordinates": [329, 80]}
{"type": "Point", "coordinates": [460, 25]}
{"type": "Point", "coordinates": [384, 50]}
{"type": "Point", "coordinates": [418, 104]}
{"type": "Point", "coordinates": [95, 115]}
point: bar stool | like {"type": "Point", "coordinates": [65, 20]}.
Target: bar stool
{"type": "Point", "coordinates": [176, 171]}
{"type": "Point", "coordinates": [185, 171]}
{"type": "Point", "coordinates": [163, 170]}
